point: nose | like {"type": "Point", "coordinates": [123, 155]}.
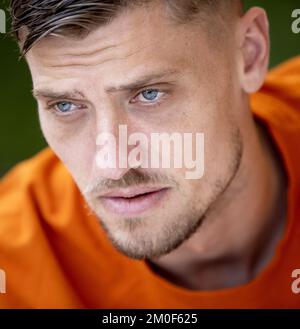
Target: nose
{"type": "Point", "coordinates": [111, 158]}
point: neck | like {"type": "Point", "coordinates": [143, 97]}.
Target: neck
{"type": "Point", "coordinates": [239, 236]}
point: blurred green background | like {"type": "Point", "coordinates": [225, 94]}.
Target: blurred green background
{"type": "Point", "coordinates": [20, 135]}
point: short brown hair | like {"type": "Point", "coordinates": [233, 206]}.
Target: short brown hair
{"type": "Point", "coordinates": [74, 17]}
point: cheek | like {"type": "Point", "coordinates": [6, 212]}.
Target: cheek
{"type": "Point", "coordinates": [75, 147]}
{"type": "Point", "coordinates": [212, 116]}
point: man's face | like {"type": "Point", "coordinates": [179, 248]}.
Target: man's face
{"type": "Point", "coordinates": [187, 84]}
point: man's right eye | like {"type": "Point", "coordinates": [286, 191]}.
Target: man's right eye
{"type": "Point", "coordinates": [64, 108]}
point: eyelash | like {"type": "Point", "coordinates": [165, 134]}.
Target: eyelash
{"type": "Point", "coordinates": [51, 107]}
{"type": "Point", "coordinates": [151, 103]}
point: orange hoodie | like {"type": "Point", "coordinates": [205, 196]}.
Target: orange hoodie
{"type": "Point", "coordinates": [56, 255]}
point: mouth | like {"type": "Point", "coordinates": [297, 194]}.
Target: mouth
{"type": "Point", "coordinates": [133, 201]}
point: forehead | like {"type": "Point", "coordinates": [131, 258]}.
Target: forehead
{"type": "Point", "coordinates": [137, 40]}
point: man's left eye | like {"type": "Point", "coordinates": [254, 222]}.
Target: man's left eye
{"type": "Point", "coordinates": [149, 96]}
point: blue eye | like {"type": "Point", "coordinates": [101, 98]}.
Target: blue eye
{"type": "Point", "coordinates": [150, 95]}
{"type": "Point", "coordinates": [64, 107]}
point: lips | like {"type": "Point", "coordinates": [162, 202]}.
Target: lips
{"type": "Point", "coordinates": [133, 201]}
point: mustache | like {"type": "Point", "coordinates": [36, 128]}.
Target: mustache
{"type": "Point", "coordinates": [134, 177]}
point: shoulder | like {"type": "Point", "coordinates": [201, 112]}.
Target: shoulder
{"type": "Point", "coordinates": [32, 189]}
{"type": "Point", "coordinates": [277, 104]}
{"type": "Point", "coordinates": [290, 69]}
{"type": "Point", "coordinates": [284, 81]}
{"type": "Point", "coordinates": [279, 98]}
{"type": "Point", "coordinates": [39, 174]}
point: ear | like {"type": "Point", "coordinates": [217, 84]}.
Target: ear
{"type": "Point", "coordinates": [254, 45]}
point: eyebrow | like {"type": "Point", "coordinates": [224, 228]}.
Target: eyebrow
{"type": "Point", "coordinates": [48, 93]}
{"type": "Point", "coordinates": [76, 94]}
{"type": "Point", "coordinates": [142, 81]}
